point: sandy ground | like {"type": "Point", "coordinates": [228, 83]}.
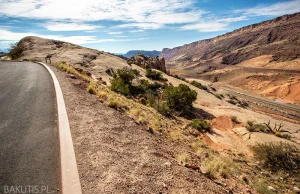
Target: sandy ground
{"type": "Point", "coordinates": [115, 155]}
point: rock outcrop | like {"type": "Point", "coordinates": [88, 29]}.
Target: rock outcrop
{"type": "Point", "coordinates": [145, 62]}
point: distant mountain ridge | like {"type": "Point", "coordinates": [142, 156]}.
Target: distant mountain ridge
{"type": "Point", "coordinates": [2, 54]}
{"type": "Point", "coordinates": [278, 37]}
{"type": "Point", "coordinates": [132, 53]}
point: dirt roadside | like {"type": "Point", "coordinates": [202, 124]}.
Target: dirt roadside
{"type": "Point", "coordinates": [115, 155]}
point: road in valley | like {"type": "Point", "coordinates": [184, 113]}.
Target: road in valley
{"type": "Point", "coordinates": [29, 151]}
{"type": "Point", "coordinates": [295, 111]}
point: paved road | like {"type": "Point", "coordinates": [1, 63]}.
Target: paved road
{"type": "Point", "coordinates": [29, 157]}
{"type": "Point", "coordinates": [278, 104]}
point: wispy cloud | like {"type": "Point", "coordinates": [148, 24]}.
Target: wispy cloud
{"type": "Point", "coordinates": [276, 9]}
{"type": "Point", "coordinates": [213, 26]}
{"type": "Point", "coordinates": [8, 37]}
{"type": "Point", "coordinates": [61, 26]}
{"type": "Point", "coordinates": [143, 26]}
{"type": "Point", "coordinates": [134, 31]}
{"type": "Point", "coordinates": [134, 11]}
{"type": "Point", "coordinates": [115, 33]}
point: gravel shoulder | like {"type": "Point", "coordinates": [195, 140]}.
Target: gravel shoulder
{"type": "Point", "coordinates": [116, 155]}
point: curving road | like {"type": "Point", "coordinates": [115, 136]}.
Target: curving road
{"type": "Point", "coordinates": [29, 153]}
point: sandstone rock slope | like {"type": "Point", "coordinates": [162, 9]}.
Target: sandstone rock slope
{"type": "Point", "coordinates": [278, 37]}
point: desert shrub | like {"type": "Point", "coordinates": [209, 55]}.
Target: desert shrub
{"type": "Point", "coordinates": [285, 136]}
{"type": "Point", "coordinates": [221, 167]}
{"type": "Point", "coordinates": [179, 77]}
{"type": "Point", "coordinates": [278, 156]}
{"type": "Point", "coordinates": [199, 85]}
{"type": "Point", "coordinates": [92, 88]}
{"type": "Point", "coordinates": [234, 119]}
{"type": "Point", "coordinates": [102, 95]}
{"type": "Point", "coordinates": [215, 79]}
{"type": "Point", "coordinates": [218, 96]}
{"type": "Point", "coordinates": [116, 104]}
{"type": "Point", "coordinates": [118, 85]}
{"type": "Point", "coordinates": [16, 50]}
{"type": "Point", "coordinates": [232, 102]}
{"type": "Point", "coordinates": [256, 127]}
{"type": "Point", "coordinates": [200, 125]}
{"type": "Point", "coordinates": [155, 86]}
{"type": "Point", "coordinates": [151, 98]}
{"type": "Point", "coordinates": [261, 186]}
{"type": "Point", "coordinates": [180, 98]}
{"type": "Point", "coordinates": [163, 108]}
{"type": "Point", "coordinates": [183, 158]}
{"type": "Point", "coordinates": [154, 75]}
{"type": "Point", "coordinates": [122, 81]}
{"type": "Point", "coordinates": [243, 104]}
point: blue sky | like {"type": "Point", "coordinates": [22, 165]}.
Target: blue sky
{"type": "Point", "coordinates": [121, 25]}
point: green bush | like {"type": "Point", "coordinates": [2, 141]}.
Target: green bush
{"type": "Point", "coordinates": [122, 81]}
{"type": "Point", "coordinates": [180, 98]}
{"type": "Point", "coordinates": [16, 50]}
{"type": "Point", "coordinates": [118, 85]}
{"type": "Point", "coordinates": [178, 77]}
{"type": "Point", "coordinates": [163, 108]}
{"type": "Point", "coordinates": [154, 75]}
{"type": "Point", "coordinates": [199, 85]}
{"type": "Point", "coordinates": [278, 156]}
{"type": "Point", "coordinates": [200, 125]}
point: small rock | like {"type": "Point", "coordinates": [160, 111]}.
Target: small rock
{"type": "Point", "coordinates": [270, 188]}
{"type": "Point", "coordinates": [168, 164]}
{"type": "Point", "coordinates": [296, 190]}
{"type": "Point", "coordinates": [164, 185]}
{"type": "Point", "coordinates": [194, 167]}
{"type": "Point", "coordinates": [73, 77]}
{"type": "Point", "coordinates": [150, 130]}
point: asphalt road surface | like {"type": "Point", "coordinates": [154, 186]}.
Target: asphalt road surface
{"type": "Point", "coordinates": [285, 106]}
{"type": "Point", "coordinates": [29, 152]}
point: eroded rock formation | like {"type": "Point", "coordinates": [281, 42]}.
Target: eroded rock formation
{"type": "Point", "coordinates": [145, 62]}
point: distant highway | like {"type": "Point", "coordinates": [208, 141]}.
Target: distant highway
{"type": "Point", "coordinates": [267, 101]}
{"type": "Point", "coordinates": [29, 152]}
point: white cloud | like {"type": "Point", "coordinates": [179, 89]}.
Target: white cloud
{"type": "Point", "coordinates": [233, 19]}
{"type": "Point", "coordinates": [276, 9]}
{"type": "Point", "coordinates": [134, 11]}
{"type": "Point", "coordinates": [60, 26]}
{"type": "Point", "coordinates": [213, 26]}
{"type": "Point", "coordinates": [115, 33]}
{"type": "Point", "coordinates": [8, 37]}
{"type": "Point", "coordinates": [143, 26]}
{"type": "Point", "coordinates": [134, 31]}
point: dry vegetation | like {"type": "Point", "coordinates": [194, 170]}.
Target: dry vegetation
{"type": "Point", "coordinates": [224, 168]}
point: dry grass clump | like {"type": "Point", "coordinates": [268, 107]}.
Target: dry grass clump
{"type": "Point", "coordinates": [116, 104]}
{"type": "Point", "coordinates": [217, 167]}
{"type": "Point", "coordinates": [199, 147]}
{"type": "Point", "coordinates": [175, 135]}
{"type": "Point", "coordinates": [261, 186]}
{"type": "Point", "coordinates": [183, 158]}
{"type": "Point", "coordinates": [278, 156]}
{"type": "Point", "coordinates": [92, 88]}
{"type": "Point", "coordinates": [102, 95]}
